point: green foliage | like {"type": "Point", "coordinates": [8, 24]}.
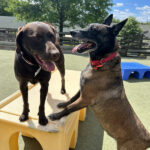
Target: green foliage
{"type": "Point", "coordinates": [61, 12]}
{"type": "Point", "coordinates": [116, 20]}
{"type": "Point", "coordinates": [131, 29]}
{"type": "Point", "coordinates": [148, 23]}
{"type": "Point", "coordinates": [3, 5]}
{"type": "Point", "coordinates": [131, 35]}
{"type": "Point", "coordinates": [93, 11]}
{"type": "Point", "coordinates": [145, 23]}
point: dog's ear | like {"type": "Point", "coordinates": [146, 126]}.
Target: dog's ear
{"type": "Point", "coordinates": [57, 36]}
{"type": "Point", "coordinates": [19, 36]}
{"type": "Point", "coordinates": [117, 27]}
{"type": "Point", "coordinates": [57, 41]}
{"type": "Point", "coordinates": [108, 20]}
{"type": "Point", "coordinates": [52, 27]}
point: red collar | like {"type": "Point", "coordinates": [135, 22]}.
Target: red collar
{"type": "Point", "coordinates": [99, 63]}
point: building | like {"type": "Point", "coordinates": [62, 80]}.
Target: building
{"type": "Point", "coordinates": [10, 22]}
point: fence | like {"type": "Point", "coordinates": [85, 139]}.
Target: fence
{"type": "Point", "coordinates": [134, 46]}
{"type": "Point", "coordinates": [7, 39]}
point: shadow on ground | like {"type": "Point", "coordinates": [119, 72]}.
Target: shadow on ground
{"type": "Point", "coordinates": [133, 80]}
{"type": "Point", "coordinates": [90, 136]}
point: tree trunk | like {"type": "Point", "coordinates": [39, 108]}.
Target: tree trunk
{"type": "Point", "coordinates": [61, 23]}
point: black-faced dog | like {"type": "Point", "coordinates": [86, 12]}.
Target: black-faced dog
{"type": "Point", "coordinates": [36, 53]}
{"type": "Point", "coordinates": [102, 87]}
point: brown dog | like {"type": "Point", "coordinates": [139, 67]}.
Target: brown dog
{"type": "Point", "coordinates": [102, 87]}
{"type": "Point", "coordinates": [36, 53]}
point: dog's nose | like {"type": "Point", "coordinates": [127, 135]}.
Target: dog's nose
{"type": "Point", "coordinates": [55, 55]}
{"type": "Point", "coordinates": [72, 32]}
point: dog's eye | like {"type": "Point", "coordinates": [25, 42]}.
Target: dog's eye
{"type": "Point", "coordinates": [93, 29]}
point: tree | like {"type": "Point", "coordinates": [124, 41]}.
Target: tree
{"type": "Point", "coordinates": [61, 12]}
{"type": "Point", "coordinates": [3, 5]}
{"type": "Point", "coordinates": [57, 12]}
{"type": "Point", "coordinates": [116, 20]}
{"type": "Point", "coordinates": [131, 35]}
{"type": "Point", "coordinates": [93, 11]}
{"type": "Point", "coordinates": [148, 23]}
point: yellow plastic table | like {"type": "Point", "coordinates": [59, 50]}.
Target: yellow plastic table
{"type": "Point", "coordinates": [56, 135]}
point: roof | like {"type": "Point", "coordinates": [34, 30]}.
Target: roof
{"type": "Point", "coordinates": [146, 27]}
{"type": "Point", "coordinates": [10, 22]}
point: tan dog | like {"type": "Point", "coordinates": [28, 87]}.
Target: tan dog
{"type": "Point", "coordinates": [102, 87]}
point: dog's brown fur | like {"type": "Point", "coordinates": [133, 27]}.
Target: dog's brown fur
{"type": "Point", "coordinates": [112, 108]}
{"type": "Point", "coordinates": [104, 92]}
{"type": "Point", "coordinates": [37, 38]}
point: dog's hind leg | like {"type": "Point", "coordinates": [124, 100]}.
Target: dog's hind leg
{"type": "Point", "coordinates": [43, 92]}
{"type": "Point", "coordinates": [24, 92]}
{"type": "Point", "coordinates": [61, 67]}
{"type": "Point", "coordinates": [65, 104]}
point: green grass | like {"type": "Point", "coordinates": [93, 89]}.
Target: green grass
{"type": "Point", "coordinates": [8, 83]}
{"type": "Point", "coordinates": [91, 135]}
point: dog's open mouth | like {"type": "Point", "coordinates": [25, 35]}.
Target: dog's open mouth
{"type": "Point", "coordinates": [46, 65]}
{"type": "Point", "coordinates": [83, 47]}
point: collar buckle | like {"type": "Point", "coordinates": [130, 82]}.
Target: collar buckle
{"type": "Point", "coordinates": [38, 71]}
{"type": "Point", "coordinates": [99, 66]}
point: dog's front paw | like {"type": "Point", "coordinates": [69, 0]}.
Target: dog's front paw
{"type": "Point", "coordinates": [54, 116]}
{"type": "Point", "coordinates": [23, 117]}
{"type": "Point", "coordinates": [62, 105]}
{"type": "Point", "coordinates": [63, 91]}
{"type": "Point", "coordinates": [43, 121]}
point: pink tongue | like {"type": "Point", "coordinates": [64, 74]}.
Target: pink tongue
{"type": "Point", "coordinates": [48, 66]}
{"type": "Point", "coordinates": [83, 45]}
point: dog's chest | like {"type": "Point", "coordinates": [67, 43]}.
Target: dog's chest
{"type": "Point", "coordinates": [88, 75]}
{"type": "Point", "coordinates": [85, 76]}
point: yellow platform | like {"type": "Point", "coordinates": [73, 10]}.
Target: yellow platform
{"type": "Point", "coordinates": [56, 135]}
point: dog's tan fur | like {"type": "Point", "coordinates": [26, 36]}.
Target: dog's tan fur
{"type": "Point", "coordinates": [104, 92]}
{"type": "Point", "coordinates": [113, 110]}
{"type": "Point", "coordinates": [106, 96]}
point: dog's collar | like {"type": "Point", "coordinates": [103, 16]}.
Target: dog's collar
{"type": "Point", "coordinates": [27, 61]}
{"type": "Point", "coordinates": [99, 63]}
{"type": "Point", "coordinates": [31, 64]}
